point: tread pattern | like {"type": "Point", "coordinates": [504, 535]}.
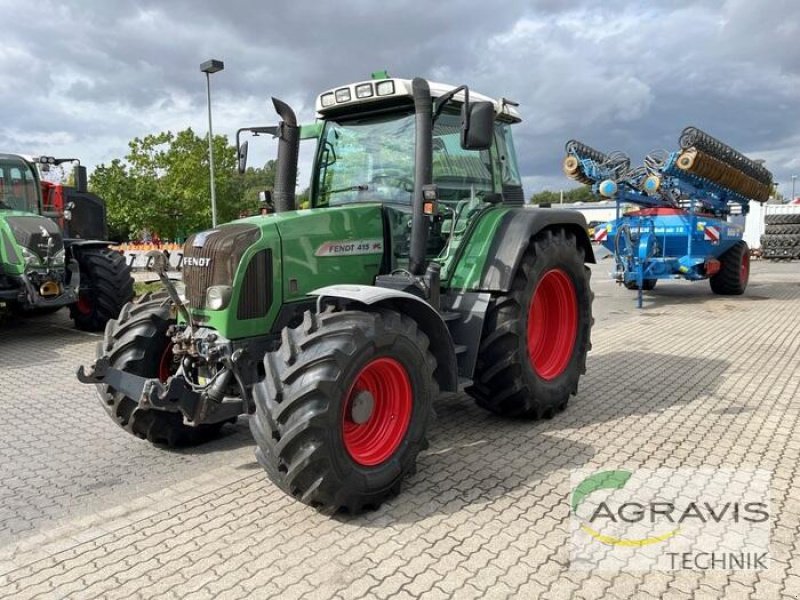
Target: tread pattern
{"type": "Point", "coordinates": [727, 281]}
{"type": "Point", "coordinates": [134, 343]}
{"type": "Point", "coordinates": [298, 402]}
{"type": "Point", "coordinates": [780, 240]}
{"type": "Point", "coordinates": [783, 219]}
{"type": "Point", "coordinates": [793, 229]}
{"type": "Point", "coordinates": [106, 279]}
{"type": "Point", "coordinates": [504, 381]}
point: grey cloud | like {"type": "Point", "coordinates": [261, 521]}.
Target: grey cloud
{"type": "Point", "coordinates": [95, 74]}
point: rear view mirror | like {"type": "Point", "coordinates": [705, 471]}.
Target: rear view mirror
{"type": "Point", "coordinates": [477, 125]}
{"type": "Point", "coordinates": [241, 160]}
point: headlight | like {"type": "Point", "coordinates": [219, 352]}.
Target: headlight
{"type": "Point", "coordinates": [343, 95]}
{"type": "Point", "coordinates": [218, 297]}
{"type": "Point", "coordinates": [384, 88]}
{"type": "Point", "coordinates": [59, 257]}
{"type": "Point", "coordinates": [30, 257]}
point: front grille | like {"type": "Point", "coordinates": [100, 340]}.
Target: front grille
{"type": "Point", "coordinates": [255, 297]}
{"type": "Point", "coordinates": [35, 234]}
{"type": "Point", "coordinates": [212, 257]}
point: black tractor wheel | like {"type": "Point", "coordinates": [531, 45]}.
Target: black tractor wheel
{"type": "Point", "coordinates": [137, 342]}
{"type": "Point", "coordinates": [344, 408]}
{"type": "Point", "coordinates": [783, 219]}
{"type": "Point", "coordinates": [780, 240]}
{"type": "Point", "coordinates": [734, 272]}
{"type": "Point", "coordinates": [536, 337]}
{"type": "Point", "coordinates": [106, 285]}
{"type": "Point", "coordinates": [782, 229]}
{"type": "Point", "coordinates": [647, 285]}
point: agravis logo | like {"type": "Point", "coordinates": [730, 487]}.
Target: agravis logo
{"type": "Point", "coordinates": [668, 519]}
{"type": "Point", "coordinates": [609, 480]}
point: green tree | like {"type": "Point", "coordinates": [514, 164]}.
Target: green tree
{"type": "Point", "coordinates": [579, 194]}
{"type": "Point", "coordinates": [162, 185]}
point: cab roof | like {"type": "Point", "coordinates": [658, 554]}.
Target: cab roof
{"type": "Point", "coordinates": [372, 92]}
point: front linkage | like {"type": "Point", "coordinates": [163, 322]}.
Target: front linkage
{"type": "Point", "coordinates": [209, 367]}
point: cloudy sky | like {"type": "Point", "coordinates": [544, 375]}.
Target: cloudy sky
{"type": "Point", "coordinates": [83, 78]}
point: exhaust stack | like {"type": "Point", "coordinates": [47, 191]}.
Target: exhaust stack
{"type": "Point", "coordinates": [288, 152]}
{"type": "Point", "coordinates": [423, 173]}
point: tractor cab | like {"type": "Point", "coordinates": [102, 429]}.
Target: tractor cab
{"type": "Point", "coordinates": [366, 153]}
{"type": "Point", "coordinates": [366, 147]}
{"type": "Point", "coordinates": [19, 185]}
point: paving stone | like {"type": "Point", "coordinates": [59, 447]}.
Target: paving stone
{"type": "Point", "coordinates": [693, 380]}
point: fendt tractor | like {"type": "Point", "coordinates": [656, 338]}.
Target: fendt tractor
{"type": "Point", "coordinates": [416, 270]}
{"type": "Point", "coordinates": [684, 202]}
{"type": "Point", "coordinates": [51, 249]}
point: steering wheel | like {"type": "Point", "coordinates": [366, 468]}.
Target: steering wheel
{"type": "Point", "coordinates": [394, 175]}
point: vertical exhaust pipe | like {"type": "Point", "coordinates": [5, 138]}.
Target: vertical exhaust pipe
{"type": "Point", "coordinates": [288, 151]}
{"type": "Point", "coordinates": [423, 173]}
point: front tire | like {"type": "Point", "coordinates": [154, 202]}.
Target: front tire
{"type": "Point", "coordinates": [344, 408]}
{"type": "Point", "coordinates": [734, 272]}
{"type": "Point", "coordinates": [536, 337]}
{"type": "Point", "coordinates": [137, 342]}
{"type": "Point", "coordinates": [106, 286]}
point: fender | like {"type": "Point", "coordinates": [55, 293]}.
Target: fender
{"type": "Point", "coordinates": [424, 314]}
{"type": "Point", "coordinates": [513, 235]}
{"type": "Point", "coordinates": [73, 246]}
{"type": "Point", "coordinates": [80, 243]}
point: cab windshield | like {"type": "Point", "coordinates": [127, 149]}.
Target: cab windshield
{"type": "Point", "coordinates": [18, 187]}
{"type": "Point", "coordinates": [372, 159]}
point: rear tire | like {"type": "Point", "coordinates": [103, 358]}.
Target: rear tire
{"type": "Point", "coordinates": [106, 286]}
{"type": "Point", "coordinates": [137, 343]}
{"type": "Point", "coordinates": [522, 369]}
{"type": "Point", "coordinates": [734, 272]}
{"type": "Point", "coordinates": [647, 285]}
{"type": "Point", "coordinates": [344, 408]}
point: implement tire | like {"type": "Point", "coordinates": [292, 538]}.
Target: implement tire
{"type": "Point", "coordinates": [137, 342]}
{"type": "Point", "coordinates": [344, 408]}
{"type": "Point", "coordinates": [536, 337]}
{"type": "Point", "coordinates": [106, 285]}
{"type": "Point", "coordinates": [734, 272]}
{"type": "Point", "coordinates": [647, 285]}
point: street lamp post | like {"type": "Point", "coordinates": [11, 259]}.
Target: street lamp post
{"type": "Point", "coordinates": [209, 67]}
{"type": "Point", "coordinates": [794, 178]}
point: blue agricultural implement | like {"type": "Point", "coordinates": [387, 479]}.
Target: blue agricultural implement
{"type": "Point", "coordinates": [674, 213]}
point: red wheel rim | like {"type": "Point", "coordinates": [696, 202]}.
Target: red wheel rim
{"type": "Point", "coordinates": [374, 440]}
{"type": "Point", "coordinates": [84, 304]}
{"type": "Point", "coordinates": [745, 269]}
{"type": "Point", "coordinates": [552, 324]}
{"type": "Point", "coordinates": [165, 365]}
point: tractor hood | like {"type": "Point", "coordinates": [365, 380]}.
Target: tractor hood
{"type": "Point", "coordinates": [34, 232]}
{"type": "Point", "coordinates": [262, 263]}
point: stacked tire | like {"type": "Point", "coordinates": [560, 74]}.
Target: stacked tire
{"type": "Point", "coordinates": [781, 239]}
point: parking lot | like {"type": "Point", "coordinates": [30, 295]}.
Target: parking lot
{"type": "Point", "coordinates": [691, 380]}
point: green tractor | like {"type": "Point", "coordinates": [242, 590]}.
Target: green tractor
{"type": "Point", "coordinates": [46, 262]}
{"type": "Point", "coordinates": [415, 270]}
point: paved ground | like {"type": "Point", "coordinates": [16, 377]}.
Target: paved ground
{"type": "Point", "coordinates": [87, 511]}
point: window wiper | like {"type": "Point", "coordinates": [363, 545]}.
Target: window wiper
{"type": "Point", "coordinates": [363, 187]}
